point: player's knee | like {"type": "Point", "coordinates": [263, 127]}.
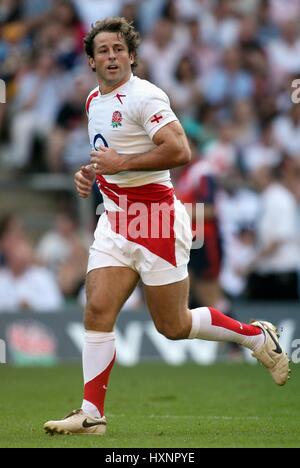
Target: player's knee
{"type": "Point", "coordinates": [91, 318]}
{"type": "Point", "coordinates": [172, 332]}
{"type": "Point", "coordinates": [97, 317]}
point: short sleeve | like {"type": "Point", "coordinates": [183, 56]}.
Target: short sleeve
{"type": "Point", "coordinates": [155, 111]}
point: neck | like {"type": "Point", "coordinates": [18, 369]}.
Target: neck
{"type": "Point", "coordinates": [18, 271]}
{"type": "Point", "coordinates": [106, 88]}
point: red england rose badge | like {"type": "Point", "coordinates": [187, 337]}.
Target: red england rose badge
{"type": "Point", "coordinates": [116, 119]}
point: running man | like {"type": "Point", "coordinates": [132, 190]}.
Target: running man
{"type": "Point", "coordinates": [136, 139]}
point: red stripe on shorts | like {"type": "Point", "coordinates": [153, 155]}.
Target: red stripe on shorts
{"type": "Point", "coordinates": [150, 224]}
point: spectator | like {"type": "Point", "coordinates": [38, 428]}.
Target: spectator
{"type": "Point", "coordinates": [70, 33]}
{"type": "Point", "coordinates": [222, 153]}
{"type": "Point", "coordinates": [205, 56]}
{"type": "Point", "coordinates": [11, 231]}
{"type": "Point", "coordinates": [276, 267]}
{"type": "Point", "coordinates": [228, 83]}
{"type": "Point", "coordinates": [286, 131]}
{"type": "Point", "coordinates": [291, 179]}
{"type": "Point", "coordinates": [188, 9]}
{"type": "Point", "coordinates": [93, 10]}
{"type": "Point", "coordinates": [163, 45]}
{"type": "Point", "coordinates": [248, 36]}
{"type": "Point", "coordinates": [267, 30]}
{"type": "Point", "coordinates": [202, 127]}
{"type": "Point", "coordinates": [129, 11]}
{"type": "Point", "coordinates": [58, 245]}
{"type": "Point", "coordinates": [197, 184]}
{"type": "Point", "coordinates": [185, 91]}
{"type": "Point", "coordinates": [149, 14]}
{"type": "Point", "coordinates": [264, 152]}
{"type": "Point", "coordinates": [280, 11]}
{"type": "Point", "coordinates": [171, 13]}
{"type": "Point", "coordinates": [220, 25]}
{"type": "Point", "coordinates": [240, 254]}
{"type": "Point", "coordinates": [143, 70]}
{"type": "Point", "coordinates": [36, 8]}
{"type": "Point", "coordinates": [65, 253]}
{"type": "Point", "coordinates": [69, 145]}
{"type": "Point", "coordinates": [237, 207]}
{"type": "Point", "coordinates": [25, 286]}
{"type": "Point", "coordinates": [10, 11]}
{"type": "Point", "coordinates": [39, 94]}
{"type": "Point", "coordinates": [284, 53]}
{"type": "Point", "coordinates": [245, 122]}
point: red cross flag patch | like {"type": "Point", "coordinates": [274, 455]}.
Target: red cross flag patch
{"type": "Point", "coordinates": [156, 118]}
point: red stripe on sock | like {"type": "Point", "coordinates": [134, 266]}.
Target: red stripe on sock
{"type": "Point", "coordinates": [220, 320]}
{"type": "Point", "coordinates": [95, 390]}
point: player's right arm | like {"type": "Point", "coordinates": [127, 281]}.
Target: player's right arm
{"type": "Point", "coordinates": [84, 180]}
{"type": "Point", "coordinates": [86, 176]}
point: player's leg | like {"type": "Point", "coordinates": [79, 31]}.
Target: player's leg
{"type": "Point", "coordinates": [168, 305]}
{"type": "Point", "coordinates": [107, 290]}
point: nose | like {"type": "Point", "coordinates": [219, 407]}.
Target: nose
{"type": "Point", "coordinates": [112, 55]}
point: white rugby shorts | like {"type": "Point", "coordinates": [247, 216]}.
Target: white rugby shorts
{"type": "Point", "coordinates": [158, 261]}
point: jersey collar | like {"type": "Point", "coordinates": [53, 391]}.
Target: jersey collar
{"type": "Point", "coordinates": [117, 89]}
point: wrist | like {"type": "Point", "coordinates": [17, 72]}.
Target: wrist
{"type": "Point", "coordinates": [124, 166]}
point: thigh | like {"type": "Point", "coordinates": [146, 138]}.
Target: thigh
{"type": "Point", "coordinates": [168, 304]}
{"type": "Point", "coordinates": [107, 290]}
{"type": "Point", "coordinates": [165, 259]}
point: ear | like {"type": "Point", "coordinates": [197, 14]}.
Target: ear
{"type": "Point", "coordinates": [132, 58]}
{"type": "Point", "coordinates": [92, 63]}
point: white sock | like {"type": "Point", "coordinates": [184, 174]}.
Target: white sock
{"type": "Point", "coordinates": [98, 358]}
{"type": "Point", "coordinates": [210, 324]}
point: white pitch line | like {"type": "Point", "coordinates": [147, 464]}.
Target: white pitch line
{"type": "Point", "coordinates": [172, 416]}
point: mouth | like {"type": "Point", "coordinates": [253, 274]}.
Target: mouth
{"type": "Point", "coordinates": [113, 68]}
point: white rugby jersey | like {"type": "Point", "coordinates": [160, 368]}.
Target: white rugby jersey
{"type": "Point", "coordinates": [126, 120]}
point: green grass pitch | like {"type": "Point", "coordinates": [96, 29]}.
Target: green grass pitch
{"type": "Point", "coordinates": [154, 405]}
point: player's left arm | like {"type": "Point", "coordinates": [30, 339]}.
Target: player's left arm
{"type": "Point", "coordinates": [172, 150]}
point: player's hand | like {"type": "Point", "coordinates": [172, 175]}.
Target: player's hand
{"type": "Point", "coordinates": [84, 180]}
{"type": "Point", "coordinates": [106, 161]}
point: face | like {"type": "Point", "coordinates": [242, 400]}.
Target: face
{"type": "Point", "coordinates": [186, 70]}
{"type": "Point", "coordinates": [111, 60]}
{"type": "Point", "coordinates": [65, 225]}
{"type": "Point", "coordinates": [261, 177]}
{"type": "Point", "coordinates": [19, 257]}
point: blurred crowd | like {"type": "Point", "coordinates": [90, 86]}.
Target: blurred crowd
{"type": "Point", "coordinates": [229, 67]}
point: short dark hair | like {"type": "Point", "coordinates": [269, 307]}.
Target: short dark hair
{"type": "Point", "coordinates": [117, 25]}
